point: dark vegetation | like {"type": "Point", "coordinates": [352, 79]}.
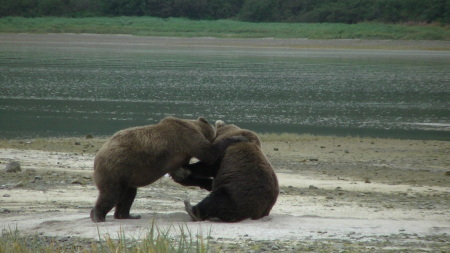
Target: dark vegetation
{"type": "Point", "coordinates": [309, 11]}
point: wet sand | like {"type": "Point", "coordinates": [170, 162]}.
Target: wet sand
{"type": "Point", "coordinates": [108, 40]}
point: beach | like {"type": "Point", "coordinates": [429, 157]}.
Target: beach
{"type": "Point", "coordinates": [336, 194]}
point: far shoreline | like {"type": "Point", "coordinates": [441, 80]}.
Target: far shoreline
{"type": "Point", "coordinates": [90, 144]}
{"type": "Point", "coordinates": [214, 42]}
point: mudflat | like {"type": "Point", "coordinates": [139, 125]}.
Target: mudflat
{"type": "Point", "coordinates": [337, 194]}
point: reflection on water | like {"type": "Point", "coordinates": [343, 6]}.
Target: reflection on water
{"type": "Point", "coordinates": [71, 90]}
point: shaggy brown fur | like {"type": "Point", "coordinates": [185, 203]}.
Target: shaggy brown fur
{"type": "Point", "coordinates": [139, 156]}
{"type": "Point", "coordinates": [244, 186]}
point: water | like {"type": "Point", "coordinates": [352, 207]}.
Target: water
{"type": "Point", "coordinates": [74, 89]}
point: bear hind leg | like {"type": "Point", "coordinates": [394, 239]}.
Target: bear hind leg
{"type": "Point", "coordinates": [124, 205]}
{"type": "Point", "coordinates": [105, 202]}
{"type": "Point", "coordinates": [218, 204]}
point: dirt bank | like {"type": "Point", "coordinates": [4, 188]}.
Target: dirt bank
{"type": "Point", "coordinates": [337, 194]}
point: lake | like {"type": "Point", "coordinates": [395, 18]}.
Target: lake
{"type": "Point", "coordinates": [73, 85]}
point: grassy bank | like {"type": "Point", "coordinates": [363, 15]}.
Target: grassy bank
{"type": "Point", "coordinates": [178, 27]}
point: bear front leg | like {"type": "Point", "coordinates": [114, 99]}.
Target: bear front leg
{"type": "Point", "coordinates": [196, 174]}
{"type": "Point", "coordinates": [192, 180]}
{"type": "Point", "coordinates": [201, 169]}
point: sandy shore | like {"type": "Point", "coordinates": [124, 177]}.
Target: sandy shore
{"type": "Point", "coordinates": [337, 194]}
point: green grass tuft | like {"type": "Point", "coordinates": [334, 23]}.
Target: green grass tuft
{"type": "Point", "coordinates": [156, 240]}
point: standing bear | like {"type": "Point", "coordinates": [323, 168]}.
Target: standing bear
{"type": "Point", "coordinates": [244, 184]}
{"type": "Point", "coordinates": [139, 156]}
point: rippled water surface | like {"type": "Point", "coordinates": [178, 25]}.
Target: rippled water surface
{"type": "Point", "coordinates": [71, 89]}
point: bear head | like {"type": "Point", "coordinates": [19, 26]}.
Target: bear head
{"type": "Point", "coordinates": [208, 130]}
{"type": "Point", "coordinates": [225, 131]}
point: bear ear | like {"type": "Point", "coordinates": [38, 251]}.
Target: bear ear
{"type": "Point", "coordinates": [201, 119]}
{"type": "Point", "coordinates": [220, 123]}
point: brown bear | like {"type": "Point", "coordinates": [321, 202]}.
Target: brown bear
{"type": "Point", "coordinates": [139, 156]}
{"type": "Point", "coordinates": [244, 185]}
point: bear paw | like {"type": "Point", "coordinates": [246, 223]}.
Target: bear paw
{"type": "Point", "coordinates": [180, 174]}
{"type": "Point", "coordinates": [190, 210]}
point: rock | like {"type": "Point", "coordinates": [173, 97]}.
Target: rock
{"type": "Point", "coordinates": [18, 185]}
{"type": "Point", "coordinates": [77, 143]}
{"type": "Point", "coordinates": [6, 195]}
{"type": "Point", "coordinates": [367, 181]}
{"type": "Point", "coordinates": [313, 159]}
{"type": "Point", "coordinates": [275, 247]}
{"type": "Point", "coordinates": [447, 173]}
{"type": "Point", "coordinates": [276, 149]}
{"type": "Point", "coordinates": [4, 210]}
{"type": "Point", "coordinates": [89, 136]}
{"type": "Point", "coordinates": [30, 171]}
{"type": "Point", "coordinates": [77, 181]}
{"type": "Point", "coordinates": [312, 187]}
{"type": "Point", "coordinates": [13, 167]}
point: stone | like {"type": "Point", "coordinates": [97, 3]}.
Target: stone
{"type": "Point", "coordinates": [312, 187]}
{"type": "Point", "coordinates": [18, 185]}
{"type": "Point", "coordinates": [77, 181]}
{"type": "Point", "coordinates": [13, 167]}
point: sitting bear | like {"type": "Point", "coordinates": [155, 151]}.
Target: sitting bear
{"type": "Point", "coordinates": [244, 185]}
{"type": "Point", "coordinates": [139, 156]}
